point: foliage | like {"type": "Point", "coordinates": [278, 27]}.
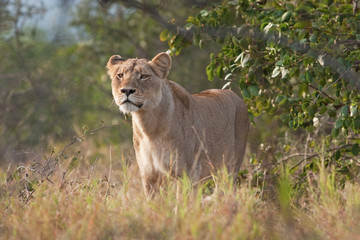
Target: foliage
{"type": "Point", "coordinates": [298, 61]}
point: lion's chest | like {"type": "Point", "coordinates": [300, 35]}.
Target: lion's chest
{"type": "Point", "coordinates": [155, 155]}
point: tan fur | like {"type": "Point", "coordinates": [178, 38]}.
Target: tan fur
{"type": "Point", "coordinates": [175, 132]}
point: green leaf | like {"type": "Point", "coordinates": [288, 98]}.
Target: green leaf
{"type": "Point", "coordinates": [344, 111]}
{"type": "Point", "coordinates": [268, 27]}
{"type": "Point", "coordinates": [313, 38]}
{"type": "Point", "coordinates": [308, 77]}
{"type": "Point", "coordinates": [323, 110]}
{"type": "Point", "coordinates": [204, 13]}
{"type": "Point", "coordinates": [245, 93]}
{"type": "Point", "coordinates": [284, 72]}
{"type": "Point", "coordinates": [275, 72]}
{"type": "Point", "coordinates": [254, 90]}
{"type": "Point", "coordinates": [188, 25]}
{"type": "Point", "coordinates": [356, 124]}
{"type": "Point", "coordinates": [286, 16]}
{"type": "Point", "coordinates": [302, 33]}
{"type": "Point", "coordinates": [334, 132]}
{"type": "Point", "coordinates": [353, 110]}
{"type": "Point", "coordinates": [337, 155]}
{"type": "Point", "coordinates": [226, 85]}
{"type": "Point", "coordinates": [286, 60]}
{"type": "Point", "coordinates": [346, 8]}
{"type": "Point", "coordinates": [164, 35]}
{"type": "Point", "coordinates": [279, 63]}
{"type": "Point", "coordinates": [201, 44]}
{"type": "Point", "coordinates": [311, 111]}
{"type": "Point", "coordinates": [331, 112]}
{"type": "Point", "coordinates": [338, 124]}
{"type": "Point", "coordinates": [238, 57]}
{"type": "Point", "coordinates": [291, 124]}
{"type": "Point", "coordinates": [210, 72]}
{"type": "Point", "coordinates": [303, 90]}
{"type": "Point", "coordinates": [322, 82]}
{"type": "Point", "coordinates": [346, 123]}
{"type": "Point", "coordinates": [329, 2]}
{"type": "Point", "coordinates": [263, 25]}
{"type": "Point", "coordinates": [281, 99]}
{"type": "Point", "coordinates": [244, 60]}
{"type": "Point", "coordinates": [305, 106]}
{"type": "Point", "coordinates": [355, 149]}
{"type": "Point", "coordinates": [228, 76]}
{"type": "Point", "coordinates": [302, 24]}
{"type": "Point", "coordinates": [220, 71]}
{"type": "Point", "coordinates": [287, 148]}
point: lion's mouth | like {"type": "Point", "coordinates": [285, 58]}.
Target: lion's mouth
{"type": "Point", "coordinates": [128, 101]}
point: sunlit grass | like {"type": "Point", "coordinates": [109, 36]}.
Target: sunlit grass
{"type": "Point", "coordinates": [99, 204]}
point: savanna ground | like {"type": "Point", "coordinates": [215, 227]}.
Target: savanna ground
{"type": "Point", "coordinates": [75, 196]}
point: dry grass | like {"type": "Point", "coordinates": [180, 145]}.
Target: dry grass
{"type": "Point", "coordinates": [104, 201]}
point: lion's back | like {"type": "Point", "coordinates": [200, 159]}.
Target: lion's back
{"type": "Point", "coordinates": [221, 100]}
{"type": "Point", "coordinates": [221, 116]}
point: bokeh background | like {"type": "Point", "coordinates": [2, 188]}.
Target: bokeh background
{"type": "Point", "coordinates": [53, 79]}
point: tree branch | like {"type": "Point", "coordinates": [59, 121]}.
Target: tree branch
{"type": "Point", "coordinates": [247, 31]}
{"type": "Point", "coordinates": [316, 155]}
{"type": "Point", "coordinates": [154, 14]}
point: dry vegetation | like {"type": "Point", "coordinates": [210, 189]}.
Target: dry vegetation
{"type": "Point", "coordinates": [104, 200]}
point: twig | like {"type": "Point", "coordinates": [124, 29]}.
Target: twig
{"type": "Point", "coordinates": [325, 89]}
{"type": "Point", "coordinates": [80, 139]}
{"type": "Point", "coordinates": [93, 168]}
{"type": "Point", "coordinates": [316, 154]}
{"type": "Point", "coordinates": [110, 165]}
{"type": "Point", "coordinates": [49, 181]}
{"type": "Point", "coordinates": [29, 197]}
{"type": "Point", "coordinates": [76, 187]}
{"type": "Point", "coordinates": [322, 92]}
{"type": "Point", "coordinates": [109, 175]}
{"type": "Point", "coordinates": [46, 165]}
{"type": "Point", "coordinates": [305, 158]}
{"type": "Point", "coordinates": [291, 156]}
{"type": "Point", "coordinates": [203, 148]}
{"type": "Point", "coordinates": [201, 180]}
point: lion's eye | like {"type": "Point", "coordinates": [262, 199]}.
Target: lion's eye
{"type": "Point", "coordinates": [119, 76]}
{"type": "Point", "coordinates": [144, 77]}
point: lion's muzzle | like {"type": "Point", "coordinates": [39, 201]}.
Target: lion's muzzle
{"type": "Point", "coordinates": [128, 91]}
{"type": "Point", "coordinates": [128, 101]}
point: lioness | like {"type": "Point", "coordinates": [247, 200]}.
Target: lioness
{"type": "Point", "coordinates": [175, 132]}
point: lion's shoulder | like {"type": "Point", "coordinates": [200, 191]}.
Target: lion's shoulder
{"type": "Point", "coordinates": [181, 94]}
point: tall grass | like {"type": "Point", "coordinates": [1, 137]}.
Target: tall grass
{"type": "Point", "coordinates": [107, 202]}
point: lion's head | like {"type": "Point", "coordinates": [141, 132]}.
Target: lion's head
{"type": "Point", "coordinates": [136, 83]}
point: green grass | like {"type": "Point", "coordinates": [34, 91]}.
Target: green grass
{"type": "Point", "coordinates": [108, 203]}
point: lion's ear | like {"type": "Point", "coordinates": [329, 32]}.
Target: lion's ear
{"type": "Point", "coordinates": [161, 64]}
{"type": "Point", "coordinates": [113, 60]}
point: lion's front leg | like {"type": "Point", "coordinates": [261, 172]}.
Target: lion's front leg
{"type": "Point", "coordinates": [151, 184]}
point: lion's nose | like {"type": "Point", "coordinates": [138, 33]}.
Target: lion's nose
{"type": "Point", "coordinates": [128, 91]}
